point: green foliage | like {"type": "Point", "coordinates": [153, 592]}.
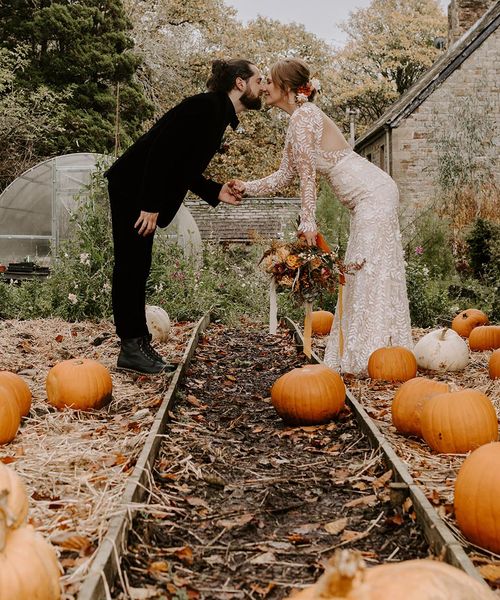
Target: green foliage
{"type": "Point", "coordinates": [428, 297]}
{"type": "Point", "coordinates": [483, 243]}
{"type": "Point", "coordinates": [226, 282]}
{"type": "Point", "coordinates": [28, 115]}
{"type": "Point", "coordinates": [390, 45]}
{"type": "Point", "coordinates": [429, 236]}
{"type": "Point", "coordinates": [84, 47]}
{"type": "Point", "coordinates": [466, 151]}
{"type": "Point", "coordinates": [333, 218]}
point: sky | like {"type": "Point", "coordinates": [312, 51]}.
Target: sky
{"type": "Point", "coordinates": [321, 17]}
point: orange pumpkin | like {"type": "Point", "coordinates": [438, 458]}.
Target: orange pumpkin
{"type": "Point", "coordinates": [19, 389]}
{"type": "Point", "coordinates": [409, 401]}
{"type": "Point", "coordinates": [10, 417]}
{"type": "Point", "coordinates": [457, 422]}
{"type": "Point", "coordinates": [494, 365]}
{"type": "Point", "coordinates": [393, 363]}
{"type": "Point", "coordinates": [12, 487]}
{"type": "Point", "coordinates": [29, 568]}
{"type": "Point", "coordinates": [467, 320]}
{"type": "Point", "coordinates": [486, 337]}
{"type": "Point", "coordinates": [477, 497]}
{"type": "Point", "coordinates": [79, 383]}
{"type": "Point", "coordinates": [309, 395]}
{"type": "Point", "coordinates": [421, 579]}
{"type": "Point", "coordinates": [321, 321]}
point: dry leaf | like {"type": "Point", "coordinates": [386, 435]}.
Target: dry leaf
{"type": "Point", "coordinates": [59, 338]}
{"type": "Point", "coordinates": [307, 528]}
{"type": "Point", "coordinates": [382, 480]}
{"type": "Point", "coordinates": [193, 400]}
{"type": "Point", "coordinates": [360, 485]}
{"type": "Point", "coordinates": [7, 459]}
{"type": "Point", "coordinates": [349, 536]}
{"type": "Point", "coordinates": [236, 522]}
{"type": "Point", "coordinates": [407, 504]}
{"type": "Point", "coordinates": [263, 559]}
{"type": "Point", "coordinates": [395, 520]}
{"type": "Point", "coordinates": [73, 541]}
{"type": "Point", "coordinates": [263, 592]}
{"type": "Point", "coordinates": [490, 572]}
{"type": "Point", "coordinates": [363, 501]}
{"type": "Point", "coordinates": [335, 527]}
{"type": "Point", "coordinates": [194, 501]}
{"type": "Point", "coordinates": [185, 554]}
{"type": "Point", "coordinates": [158, 566]}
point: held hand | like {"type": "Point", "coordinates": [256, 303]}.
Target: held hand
{"type": "Point", "coordinates": [309, 236]}
{"type": "Point", "coordinates": [236, 186]}
{"type": "Point", "coordinates": [228, 196]}
{"type": "Point", "coordinates": [146, 223]}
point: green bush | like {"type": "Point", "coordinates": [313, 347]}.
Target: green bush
{"type": "Point", "coordinates": [333, 218]}
{"type": "Point", "coordinates": [428, 236]}
{"type": "Point", "coordinates": [428, 297]}
{"type": "Point", "coordinates": [483, 242]}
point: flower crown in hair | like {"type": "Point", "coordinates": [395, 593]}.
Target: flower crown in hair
{"type": "Point", "coordinates": [304, 91]}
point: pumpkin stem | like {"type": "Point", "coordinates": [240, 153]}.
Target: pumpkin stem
{"type": "Point", "coordinates": [343, 574]}
{"type": "Point", "coordinates": [444, 331]}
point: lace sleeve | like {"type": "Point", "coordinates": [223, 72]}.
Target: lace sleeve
{"type": "Point", "coordinates": [305, 134]}
{"type": "Point", "coordinates": [276, 181]}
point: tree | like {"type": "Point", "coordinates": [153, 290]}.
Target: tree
{"type": "Point", "coordinates": [177, 42]}
{"type": "Point", "coordinates": [391, 44]}
{"type": "Point", "coordinates": [28, 116]}
{"type": "Point", "coordinates": [81, 46]}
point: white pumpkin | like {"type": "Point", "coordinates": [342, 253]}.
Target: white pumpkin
{"type": "Point", "coordinates": [442, 350]}
{"type": "Point", "coordinates": [158, 322]}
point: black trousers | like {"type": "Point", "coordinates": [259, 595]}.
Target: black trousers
{"type": "Point", "coordinates": [132, 254]}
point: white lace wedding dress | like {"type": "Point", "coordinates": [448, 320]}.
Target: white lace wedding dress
{"type": "Point", "coordinates": [375, 303]}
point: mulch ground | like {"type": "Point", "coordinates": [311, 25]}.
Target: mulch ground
{"type": "Point", "coordinates": [75, 465]}
{"type": "Point", "coordinates": [434, 473]}
{"type": "Point", "coordinates": [244, 506]}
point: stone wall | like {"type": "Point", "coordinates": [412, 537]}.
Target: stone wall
{"type": "Point", "coordinates": [377, 152]}
{"type": "Point", "coordinates": [462, 14]}
{"type": "Point", "coordinates": [413, 142]}
{"type": "Point", "coordinates": [266, 217]}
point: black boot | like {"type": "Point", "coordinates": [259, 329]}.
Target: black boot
{"type": "Point", "coordinates": [156, 355]}
{"type": "Point", "coordinates": [135, 356]}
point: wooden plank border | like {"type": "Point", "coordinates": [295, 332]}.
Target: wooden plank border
{"type": "Point", "coordinates": [106, 564]}
{"type": "Point", "coordinates": [439, 537]}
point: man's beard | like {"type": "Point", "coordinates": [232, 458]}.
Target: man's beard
{"type": "Point", "coordinates": [251, 102]}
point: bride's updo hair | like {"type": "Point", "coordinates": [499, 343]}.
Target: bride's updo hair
{"type": "Point", "coordinates": [225, 72]}
{"type": "Point", "coordinates": [290, 74]}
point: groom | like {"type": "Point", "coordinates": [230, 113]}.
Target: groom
{"type": "Point", "coordinates": [148, 183]}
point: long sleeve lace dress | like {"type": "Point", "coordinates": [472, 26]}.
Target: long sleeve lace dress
{"type": "Point", "coordinates": [375, 304]}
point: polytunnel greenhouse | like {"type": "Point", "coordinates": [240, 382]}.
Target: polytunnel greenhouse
{"type": "Point", "coordinates": [35, 209]}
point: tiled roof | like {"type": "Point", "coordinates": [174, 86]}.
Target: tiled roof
{"type": "Point", "coordinates": [266, 217]}
{"type": "Point", "coordinates": [440, 70]}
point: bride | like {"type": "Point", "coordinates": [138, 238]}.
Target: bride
{"type": "Point", "coordinates": [374, 311]}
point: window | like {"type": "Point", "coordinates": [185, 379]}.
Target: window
{"type": "Point", "coordinates": [381, 158]}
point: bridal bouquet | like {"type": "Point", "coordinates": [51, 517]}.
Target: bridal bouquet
{"type": "Point", "coordinates": [305, 271]}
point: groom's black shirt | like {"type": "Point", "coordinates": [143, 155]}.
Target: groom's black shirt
{"type": "Point", "coordinates": [168, 160]}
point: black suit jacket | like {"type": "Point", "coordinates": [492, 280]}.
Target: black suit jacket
{"type": "Point", "coordinates": [155, 173]}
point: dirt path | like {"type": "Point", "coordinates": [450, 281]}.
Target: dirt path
{"type": "Point", "coordinates": [246, 507]}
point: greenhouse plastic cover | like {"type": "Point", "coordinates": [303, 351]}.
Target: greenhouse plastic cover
{"type": "Point", "coordinates": [35, 209]}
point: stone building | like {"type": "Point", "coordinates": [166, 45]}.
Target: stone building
{"type": "Point", "coordinates": [263, 217]}
{"type": "Point", "coordinates": [404, 140]}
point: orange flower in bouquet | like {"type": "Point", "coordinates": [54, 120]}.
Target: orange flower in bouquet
{"type": "Point", "coordinates": [306, 271]}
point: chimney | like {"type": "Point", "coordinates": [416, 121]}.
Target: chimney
{"type": "Point", "coordinates": [462, 14]}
